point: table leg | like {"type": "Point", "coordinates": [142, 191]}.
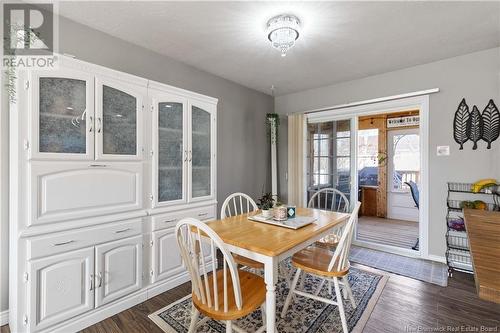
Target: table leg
{"type": "Point", "coordinates": [271, 278]}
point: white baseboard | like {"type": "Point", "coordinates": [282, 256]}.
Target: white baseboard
{"type": "Point", "coordinates": [4, 317]}
{"type": "Point", "coordinates": [388, 248]}
{"type": "Point", "coordinates": [436, 258]}
{"type": "Point", "coordinates": [400, 251]}
{"type": "Point", "coordinates": [92, 317]}
{"type": "Point", "coordinates": [99, 314]}
{"type": "Point", "coordinates": [163, 286]}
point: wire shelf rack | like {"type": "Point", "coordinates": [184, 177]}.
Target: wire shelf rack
{"type": "Point", "coordinates": [466, 188]}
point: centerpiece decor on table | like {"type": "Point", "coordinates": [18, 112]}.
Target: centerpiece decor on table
{"type": "Point", "coordinates": [265, 203]}
{"type": "Point", "coordinates": [280, 212]}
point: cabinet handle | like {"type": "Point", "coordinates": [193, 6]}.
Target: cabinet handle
{"type": "Point", "coordinates": [168, 221]}
{"type": "Point", "coordinates": [202, 214]}
{"type": "Point", "coordinates": [91, 124]}
{"type": "Point", "coordinates": [97, 165]}
{"type": "Point", "coordinates": [64, 243]}
{"type": "Point", "coordinates": [190, 156]}
{"type": "Point", "coordinates": [186, 155]}
{"type": "Point", "coordinates": [91, 282]}
{"type": "Point", "coordinates": [99, 122]}
{"type": "Point", "coordinates": [120, 231]}
{"type": "Point", "coordinates": [100, 280]}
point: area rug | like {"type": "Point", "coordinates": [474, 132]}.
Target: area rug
{"type": "Point", "coordinates": [303, 315]}
{"type": "Point", "coordinates": [419, 269]}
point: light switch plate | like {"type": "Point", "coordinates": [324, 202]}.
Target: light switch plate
{"type": "Point", "coordinates": [443, 151]}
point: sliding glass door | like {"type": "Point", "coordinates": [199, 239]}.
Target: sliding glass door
{"type": "Point", "coordinates": [330, 157]}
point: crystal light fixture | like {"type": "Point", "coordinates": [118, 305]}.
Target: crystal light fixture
{"type": "Point", "coordinates": [282, 32]}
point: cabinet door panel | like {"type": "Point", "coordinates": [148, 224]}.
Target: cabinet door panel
{"type": "Point", "coordinates": [201, 150]}
{"type": "Point", "coordinates": [62, 114]}
{"type": "Point", "coordinates": [119, 119]}
{"type": "Point", "coordinates": [61, 287]}
{"type": "Point", "coordinates": [118, 269]}
{"type": "Point", "coordinates": [62, 191]}
{"type": "Point", "coordinates": [170, 149]}
{"type": "Point", "coordinates": [166, 256]}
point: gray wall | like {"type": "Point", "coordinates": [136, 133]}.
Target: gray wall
{"type": "Point", "coordinates": [474, 76]}
{"type": "Point", "coordinates": [243, 154]}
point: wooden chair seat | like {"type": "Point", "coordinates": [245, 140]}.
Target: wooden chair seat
{"type": "Point", "coordinates": [315, 260]}
{"type": "Point", "coordinates": [329, 242]}
{"type": "Point", "coordinates": [253, 292]}
{"type": "Point", "coordinates": [244, 261]}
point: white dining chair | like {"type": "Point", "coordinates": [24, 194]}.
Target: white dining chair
{"type": "Point", "coordinates": [226, 294]}
{"type": "Point", "coordinates": [333, 267]}
{"type": "Point", "coordinates": [333, 200]}
{"type": "Point", "coordinates": [329, 199]}
{"type": "Point", "coordinates": [236, 204]}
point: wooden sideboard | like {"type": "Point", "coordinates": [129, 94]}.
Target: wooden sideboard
{"type": "Point", "coordinates": [483, 230]}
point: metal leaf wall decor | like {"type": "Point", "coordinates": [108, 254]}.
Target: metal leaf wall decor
{"type": "Point", "coordinates": [491, 123]}
{"type": "Point", "coordinates": [460, 122]}
{"type": "Point", "coordinates": [475, 127]}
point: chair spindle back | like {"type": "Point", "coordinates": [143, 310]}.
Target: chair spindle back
{"type": "Point", "coordinates": [338, 203]}
{"type": "Point", "coordinates": [191, 234]}
{"type": "Point", "coordinates": [236, 204]}
{"type": "Point", "coordinates": [341, 255]}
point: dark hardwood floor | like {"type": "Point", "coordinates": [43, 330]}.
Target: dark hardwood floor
{"type": "Point", "coordinates": [406, 305]}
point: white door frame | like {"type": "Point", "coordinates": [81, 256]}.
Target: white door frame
{"type": "Point", "coordinates": [410, 103]}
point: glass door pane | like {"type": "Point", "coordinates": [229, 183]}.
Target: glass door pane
{"type": "Point", "coordinates": [329, 147]}
{"type": "Point", "coordinates": [170, 151]}
{"type": "Point", "coordinates": [405, 160]}
{"type": "Point", "coordinates": [368, 157]}
{"type": "Point", "coordinates": [200, 153]}
{"type": "Point", "coordinates": [119, 122]}
{"type": "Point", "coordinates": [62, 115]}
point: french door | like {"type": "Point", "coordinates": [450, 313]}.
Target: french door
{"type": "Point", "coordinates": [403, 166]}
{"type": "Point", "coordinates": [331, 156]}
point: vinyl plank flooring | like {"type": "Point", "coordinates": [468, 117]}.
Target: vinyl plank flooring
{"type": "Point", "coordinates": [405, 305]}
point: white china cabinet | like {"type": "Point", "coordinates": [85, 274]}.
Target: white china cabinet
{"type": "Point", "coordinates": [183, 163]}
{"type": "Point", "coordinates": [102, 166]}
{"type": "Point", "coordinates": [183, 148]}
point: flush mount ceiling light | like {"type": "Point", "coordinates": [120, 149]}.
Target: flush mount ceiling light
{"type": "Point", "coordinates": [282, 32]}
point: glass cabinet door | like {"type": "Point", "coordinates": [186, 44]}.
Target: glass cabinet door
{"type": "Point", "coordinates": [201, 152]}
{"type": "Point", "coordinates": [63, 116]}
{"type": "Point", "coordinates": [118, 120]}
{"type": "Point", "coordinates": [170, 154]}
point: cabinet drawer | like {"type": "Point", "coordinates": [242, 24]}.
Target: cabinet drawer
{"type": "Point", "coordinates": [66, 241]}
{"type": "Point", "coordinates": [167, 220]}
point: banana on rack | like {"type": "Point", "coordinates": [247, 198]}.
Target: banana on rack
{"type": "Point", "coordinates": [483, 183]}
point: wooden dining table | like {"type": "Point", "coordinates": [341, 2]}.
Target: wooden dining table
{"type": "Point", "coordinates": [270, 244]}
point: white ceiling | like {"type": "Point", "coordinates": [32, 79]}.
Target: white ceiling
{"type": "Point", "coordinates": [340, 41]}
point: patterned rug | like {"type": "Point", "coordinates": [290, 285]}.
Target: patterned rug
{"type": "Point", "coordinates": [303, 315]}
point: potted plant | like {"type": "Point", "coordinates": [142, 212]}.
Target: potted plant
{"type": "Point", "coordinates": [265, 203]}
